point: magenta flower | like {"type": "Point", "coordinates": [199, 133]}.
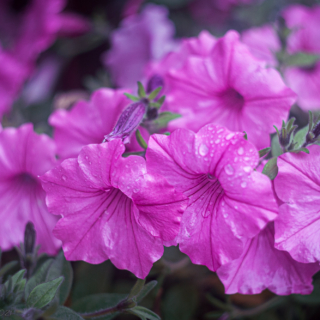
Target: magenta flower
{"type": "Point", "coordinates": [88, 121]}
{"type": "Point", "coordinates": [24, 156]}
{"type": "Point", "coordinates": [140, 39]}
{"type": "Point", "coordinates": [230, 88]}
{"type": "Point", "coordinates": [112, 209]}
{"type": "Point", "coordinates": [261, 267]}
{"type": "Point", "coordinates": [229, 202]}
{"type": "Point", "coordinates": [298, 186]}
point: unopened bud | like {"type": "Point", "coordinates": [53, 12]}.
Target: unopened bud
{"type": "Point", "coordinates": [316, 130]}
{"type": "Point", "coordinates": [128, 122]}
{"type": "Point", "coordinates": [29, 238]}
{"type": "Point", "coordinates": [155, 82]}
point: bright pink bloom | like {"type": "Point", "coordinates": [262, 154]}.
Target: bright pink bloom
{"type": "Point", "coordinates": [261, 267]}
{"type": "Point", "coordinates": [112, 209]}
{"type": "Point", "coordinates": [298, 186]}
{"type": "Point", "coordinates": [229, 202]}
{"type": "Point", "coordinates": [305, 23]}
{"type": "Point", "coordinates": [140, 39]}
{"type": "Point", "coordinates": [24, 156]}
{"type": "Point", "coordinates": [263, 42]}
{"type": "Point", "coordinates": [88, 121]}
{"type": "Point", "coordinates": [230, 88]}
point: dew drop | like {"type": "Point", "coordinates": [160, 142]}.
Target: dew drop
{"type": "Point", "coordinates": [86, 157]}
{"type": "Point", "coordinates": [217, 141]}
{"type": "Point", "coordinates": [240, 151]}
{"type": "Point", "coordinates": [229, 136]}
{"type": "Point", "coordinates": [229, 169]}
{"type": "Point", "coordinates": [243, 184]}
{"type": "Point", "coordinates": [203, 149]}
{"type": "Point", "coordinates": [220, 130]}
{"type": "Point", "coordinates": [64, 178]}
{"type": "Point", "coordinates": [247, 169]}
{"type": "Point", "coordinates": [236, 207]}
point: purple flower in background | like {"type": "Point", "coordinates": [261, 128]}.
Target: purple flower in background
{"type": "Point", "coordinates": [24, 156]}
{"type": "Point", "coordinates": [298, 186]}
{"type": "Point", "coordinates": [229, 202]}
{"type": "Point", "coordinates": [140, 39]}
{"type": "Point", "coordinates": [232, 88]}
{"type": "Point", "coordinates": [261, 267]}
{"type": "Point", "coordinates": [89, 121]}
{"type": "Point", "coordinates": [24, 37]}
{"type": "Point", "coordinates": [111, 209]}
{"type": "Point", "coordinates": [305, 37]}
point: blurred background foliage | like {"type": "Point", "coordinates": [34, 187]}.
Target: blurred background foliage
{"type": "Point", "coordinates": [184, 291]}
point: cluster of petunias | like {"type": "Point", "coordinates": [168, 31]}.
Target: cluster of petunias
{"type": "Point", "coordinates": [200, 186]}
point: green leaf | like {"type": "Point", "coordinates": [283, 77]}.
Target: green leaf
{"type": "Point", "coordinates": [7, 267]}
{"type": "Point", "coordinates": [311, 299]}
{"type": "Point", "coordinates": [271, 168]}
{"type": "Point", "coordinates": [164, 118]}
{"type": "Point", "coordinates": [300, 137]}
{"type": "Point", "coordinates": [301, 149]}
{"type": "Point", "coordinates": [144, 313]}
{"type": "Point", "coordinates": [136, 289]}
{"type": "Point", "coordinates": [146, 289]}
{"type": "Point", "coordinates": [65, 314]}
{"type": "Point", "coordinates": [141, 91]}
{"type": "Point", "coordinates": [61, 267]}
{"type": "Point", "coordinates": [302, 59]}
{"type": "Point", "coordinates": [44, 293]}
{"type": "Point", "coordinates": [264, 152]}
{"type": "Point", "coordinates": [154, 93]}
{"type": "Point", "coordinates": [39, 277]}
{"type": "Point", "coordinates": [96, 302]}
{"type": "Point", "coordinates": [276, 149]}
{"type": "Point", "coordinates": [132, 97]}
{"type": "Point", "coordinates": [140, 140]}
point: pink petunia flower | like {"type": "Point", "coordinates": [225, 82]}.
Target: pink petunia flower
{"type": "Point", "coordinates": [24, 156]}
{"type": "Point", "coordinates": [89, 121]}
{"type": "Point", "coordinates": [261, 267]}
{"type": "Point", "coordinates": [229, 87]}
{"type": "Point", "coordinates": [112, 209]}
{"type": "Point", "coordinates": [140, 39]}
{"type": "Point", "coordinates": [298, 186]}
{"type": "Point", "coordinates": [229, 202]}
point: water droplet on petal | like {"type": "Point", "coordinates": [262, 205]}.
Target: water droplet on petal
{"type": "Point", "coordinates": [240, 151]}
{"type": "Point", "coordinates": [243, 184]}
{"type": "Point", "coordinates": [229, 169]}
{"type": "Point", "coordinates": [217, 141]}
{"type": "Point", "coordinates": [64, 178]}
{"type": "Point", "coordinates": [247, 169]}
{"type": "Point", "coordinates": [86, 157]}
{"type": "Point", "coordinates": [230, 136]}
{"type": "Point", "coordinates": [203, 149]}
{"type": "Point", "coordinates": [220, 130]}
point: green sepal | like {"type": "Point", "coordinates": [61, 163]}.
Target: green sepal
{"type": "Point", "coordinates": [271, 168]}
{"type": "Point", "coordinates": [154, 93]}
{"type": "Point", "coordinates": [141, 91]}
{"type": "Point", "coordinates": [245, 135]}
{"type": "Point", "coordinates": [264, 152]}
{"type": "Point", "coordinates": [132, 97]}
{"type": "Point", "coordinates": [140, 140]}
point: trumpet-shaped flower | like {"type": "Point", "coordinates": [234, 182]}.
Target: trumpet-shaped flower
{"type": "Point", "coordinates": [261, 267]}
{"type": "Point", "coordinates": [231, 88]}
{"type": "Point", "coordinates": [229, 202]}
{"type": "Point", "coordinates": [88, 121]}
{"type": "Point", "coordinates": [298, 186]}
{"type": "Point", "coordinates": [24, 156]}
{"type": "Point", "coordinates": [140, 39]}
{"type": "Point", "coordinates": [111, 209]}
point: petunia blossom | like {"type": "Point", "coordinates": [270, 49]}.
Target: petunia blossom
{"type": "Point", "coordinates": [112, 209]}
{"type": "Point", "coordinates": [261, 267]}
{"type": "Point", "coordinates": [140, 39]}
{"type": "Point", "coordinates": [305, 81]}
{"type": "Point", "coordinates": [298, 186]}
{"type": "Point", "coordinates": [232, 88]}
{"type": "Point", "coordinates": [24, 156]}
{"type": "Point", "coordinates": [229, 202]}
{"type": "Point", "coordinates": [88, 121]}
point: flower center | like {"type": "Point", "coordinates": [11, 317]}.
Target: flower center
{"type": "Point", "coordinates": [232, 99]}
{"type": "Point", "coordinates": [27, 179]}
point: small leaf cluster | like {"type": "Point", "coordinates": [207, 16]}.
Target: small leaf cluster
{"type": "Point", "coordinates": [42, 287]}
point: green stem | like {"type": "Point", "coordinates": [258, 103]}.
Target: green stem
{"type": "Point", "coordinates": [100, 313]}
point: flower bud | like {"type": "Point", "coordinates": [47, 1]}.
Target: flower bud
{"type": "Point", "coordinates": [128, 122]}
{"type": "Point", "coordinates": [155, 82]}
